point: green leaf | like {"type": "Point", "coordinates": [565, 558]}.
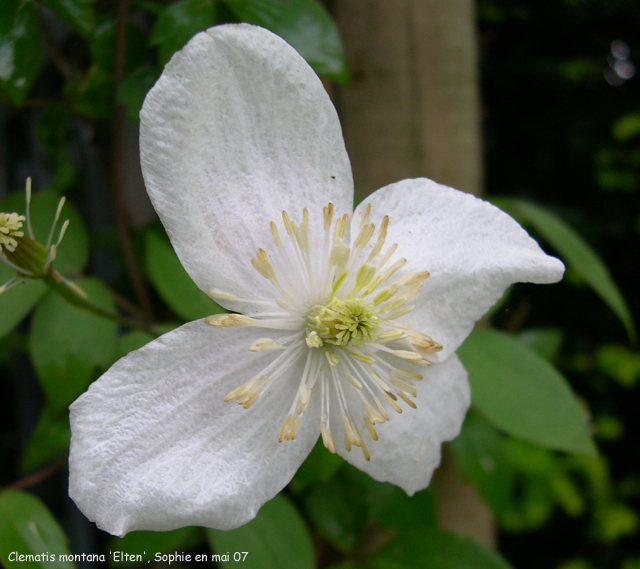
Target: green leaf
{"type": "Point", "coordinates": [545, 341]}
{"type": "Point", "coordinates": [521, 393]}
{"type": "Point", "coordinates": [148, 543]}
{"type": "Point", "coordinates": [18, 301]}
{"type": "Point", "coordinates": [620, 362]}
{"type": "Point", "coordinates": [305, 25]}
{"type": "Point", "coordinates": [79, 14]}
{"type": "Point", "coordinates": [338, 511]}
{"type": "Point", "coordinates": [49, 441]}
{"type": "Point", "coordinates": [178, 23]}
{"type": "Point", "coordinates": [278, 537]}
{"type": "Point", "coordinates": [19, 47]}
{"type": "Point", "coordinates": [482, 457]}
{"type": "Point", "coordinates": [91, 93]}
{"type": "Point", "coordinates": [173, 283]}
{"type": "Point", "coordinates": [69, 346]}
{"type": "Point", "coordinates": [28, 528]}
{"type": "Point", "coordinates": [134, 89]}
{"type": "Point", "coordinates": [429, 548]}
{"type": "Point", "coordinates": [577, 254]}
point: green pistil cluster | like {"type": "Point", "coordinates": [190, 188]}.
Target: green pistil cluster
{"type": "Point", "coordinates": [344, 322]}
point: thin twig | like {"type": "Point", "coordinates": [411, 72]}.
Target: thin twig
{"type": "Point", "coordinates": [39, 475]}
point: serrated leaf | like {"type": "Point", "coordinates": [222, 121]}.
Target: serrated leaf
{"type": "Point", "coordinates": [277, 537]}
{"type": "Point", "coordinates": [79, 14]}
{"type": "Point", "coordinates": [173, 283]}
{"type": "Point", "coordinates": [178, 23]}
{"type": "Point", "coordinates": [19, 47]}
{"type": "Point", "coordinates": [49, 441]}
{"type": "Point", "coordinates": [575, 251]}
{"type": "Point", "coordinates": [69, 345]}
{"type": "Point", "coordinates": [305, 25]}
{"type": "Point", "coordinates": [481, 456]}
{"type": "Point", "coordinates": [148, 543]}
{"type": "Point", "coordinates": [430, 548]}
{"type": "Point", "coordinates": [523, 394]}
{"type": "Point", "coordinates": [27, 527]}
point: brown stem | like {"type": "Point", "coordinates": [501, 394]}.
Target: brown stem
{"type": "Point", "coordinates": [122, 223]}
{"type": "Point", "coordinates": [38, 476]}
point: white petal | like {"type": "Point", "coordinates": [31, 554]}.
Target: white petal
{"type": "Point", "coordinates": [409, 446]}
{"type": "Point", "coordinates": [155, 447]}
{"type": "Point", "coordinates": [473, 251]}
{"type": "Point", "coordinates": [237, 129]}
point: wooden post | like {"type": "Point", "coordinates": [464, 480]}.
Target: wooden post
{"type": "Point", "coordinates": [413, 110]}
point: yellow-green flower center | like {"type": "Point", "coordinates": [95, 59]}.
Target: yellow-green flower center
{"type": "Point", "coordinates": [342, 322]}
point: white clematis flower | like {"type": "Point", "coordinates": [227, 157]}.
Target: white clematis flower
{"type": "Point", "coordinates": [337, 323]}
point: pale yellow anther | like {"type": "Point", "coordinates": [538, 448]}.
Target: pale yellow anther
{"type": "Point", "coordinates": [414, 278]}
{"type": "Point", "coordinates": [265, 344]}
{"type": "Point", "coordinates": [332, 358]}
{"type": "Point", "coordinates": [282, 303]}
{"type": "Point", "coordinates": [313, 340]}
{"type": "Point", "coordinates": [229, 320]}
{"type": "Point", "coordinates": [392, 270]}
{"type": "Point", "coordinates": [385, 294]}
{"type": "Point", "coordinates": [361, 357]}
{"type": "Point", "coordinates": [383, 227]}
{"type": "Point", "coordinates": [276, 234]}
{"type": "Point", "coordinates": [390, 336]}
{"type": "Point", "coordinates": [390, 251]}
{"type": "Point", "coordinates": [353, 380]}
{"type": "Point", "coordinates": [374, 416]}
{"type": "Point", "coordinates": [367, 213]}
{"type": "Point", "coordinates": [406, 399]}
{"type": "Point", "coordinates": [407, 355]}
{"type": "Point", "coordinates": [376, 250]}
{"type": "Point", "coordinates": [262, 264]}
{"type": "Point", "coordinates": [382, 410]}
{"type": "Point", "coordinates": [328, 216]}
{"type": "Point", "coordinates": [327, 439]}
{"type": "Point", "coordinates": [287, 223]}
{"type": "Point", "coordinates": [393, 404]}
{"type": "Point", "coordinates": [241, 390]}
{"type": "Point", "coordinates": [369, 424]}
{"type": "Point", "coordinates": [404, 385]}
{"type": "Point", "coordinates": [285, 428]}
{"type": "Point", "coordinates": [380, 382]}
{"type": "Point", "coordinates": [408, 373]}
{"type": "Point", "coordinates": [218, 294]}
{"type": "Point", "coordinates": [304, 396]}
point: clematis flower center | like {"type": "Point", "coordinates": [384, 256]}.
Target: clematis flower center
{"type": "Point", "coordinates": [342, 310]}
{"type": "Point", "coordinates": [342, 322]}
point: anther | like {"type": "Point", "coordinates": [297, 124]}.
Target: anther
{"type": "Point", "coordinates": [218, 294]}
{"type": "Point", "coordinates": [229, 320]}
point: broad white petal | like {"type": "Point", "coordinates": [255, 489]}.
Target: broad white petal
{"type": "Point", "coordinates": [155, 447]}
{"type": "Point", "coordinates": [237, 129]}
{"type": "Point", "coordinates": [408, 449]}
{"type": "Point", "coordinates": [473, 251]}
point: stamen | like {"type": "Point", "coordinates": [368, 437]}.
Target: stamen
{"type": "Point", "coordinates": [218, 294]}
{"type": "Point", "coordinates": [265, 344]}
{"type": "Point", "coordinates": [229, 320]}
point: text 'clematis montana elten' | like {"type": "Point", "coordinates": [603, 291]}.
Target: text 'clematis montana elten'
{"type": "Point", "coordinates": [345, 322]}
